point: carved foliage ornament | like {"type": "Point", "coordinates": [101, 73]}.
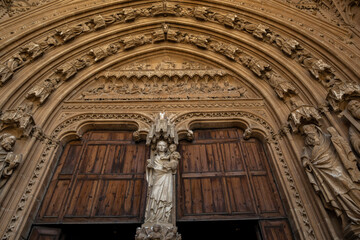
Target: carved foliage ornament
{"type": "Point", "coordinates": [318, 69]}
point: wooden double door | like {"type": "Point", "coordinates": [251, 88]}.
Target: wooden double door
{"type": "Point", "coordinates": [221, 177]}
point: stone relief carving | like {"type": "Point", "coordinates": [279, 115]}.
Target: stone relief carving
{"type": "Point", "coordinates": [163, 84]}
{"type": "Point", "coordinates": [42, 90]}
{"type": "Point", "coordinates": [318, 69]}
{"type": "Point", "coordinates": [330, 167]}
{"type": "Point", "coordinates": [337, 12]}
{"type": "Point", "coordinates": [157, 232]}
{"type": "Point", "coordinates": [5, 74]}
{"type": "Point", "coordinates": [9, 8]}
{"type": "Point", "coordinates": [21, 118]}
{"type": "Point", "coordinates": [8, 160]}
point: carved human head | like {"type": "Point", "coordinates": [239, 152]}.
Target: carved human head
{"type": "Point", "coordinates": [7, 141]}
{"type": "Point", "coordinates": [354, 108]}
{"type": "Point", "coordinates": [156, 228]}
{"type": "Point", "coordinates": [312, 135]}
{"type": "Point", "coordinates": [161, 146]}
{"type": "Point", "coordinates": [172, 147]}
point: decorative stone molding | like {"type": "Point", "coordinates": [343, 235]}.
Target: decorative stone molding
{"type": "Point", "coordinates": [290, 47]}
{"type": "Point", "coordinates": [260, 68]}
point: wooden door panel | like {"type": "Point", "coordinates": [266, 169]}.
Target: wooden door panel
{"type": "Point", "coordinates": [232, 157]}
{"type": "Point", "coordinates": [203, 196]}
{"type": "Point", "coordinates": [71, 158]}
{"type": "Point", "coordinates": [81, 201]}
{"type": "Point", "coordinates": [93, 159]}
{"type": "Point", "coordinates": [267, 199]}
{"type": "Point", "coordinates": [239, 195]}
{"type": "Point", "coordinates": [56, 202]}
{"type": "Point", "coordinates": [224, 176]}
{"type": "Point", "coordinates": [45, 233]}
{"type": "Point", "coordinates": [275, 230]}
{"type": "Point", "coordinates": [100, 179]}
{"type": "Point", "coordinates": [254, 156]}
{"type": "Point", "coordinates": [119, 198]}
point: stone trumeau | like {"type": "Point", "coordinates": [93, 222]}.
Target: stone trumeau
{"type": "Point", "coordinates": [163, 77]}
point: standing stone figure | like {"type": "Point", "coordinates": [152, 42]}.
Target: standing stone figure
{"type": "Point", "coordinates": [354, 108]}
{"type": "Point", "coordinates": [8, 160]}
{"type": "Point", "coordinates": [330, 179]}
{"type": "Point", "coordinates": [160, 182]}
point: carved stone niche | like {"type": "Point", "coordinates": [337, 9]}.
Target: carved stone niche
{"type": "Point", "coordinates": [160, 212]}
{"type": "Point", "coordinates": [164, 78]}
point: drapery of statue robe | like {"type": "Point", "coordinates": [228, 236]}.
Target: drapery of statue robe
{"type": "Point", "coordinates": [161, 196]}
{"type": "Point", "coordinates": [329, 178]}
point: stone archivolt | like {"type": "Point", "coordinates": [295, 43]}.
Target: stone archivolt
{"type": "Point", "coordinates": [283, 88]}
{"type": "Point", "coordinates": [141, 81]}
{"type": "Point", "coordinates": [320, 70]}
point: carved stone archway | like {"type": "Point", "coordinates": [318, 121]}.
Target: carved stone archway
{"type": "Point", "coordinates": [268, 66]}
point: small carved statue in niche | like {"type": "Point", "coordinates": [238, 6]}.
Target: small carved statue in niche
{"type": "Point", "coordinates": [160, 180]}
{"type": "Point", "coordinates": [354, 108]}
{"type": "Point", "coordinates": [8, 160]}
{"type": "Point", "coordinates": [323, 163]}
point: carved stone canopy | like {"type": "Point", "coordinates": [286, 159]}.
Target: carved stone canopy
{"type": "Point", "coordinates": [303, 115]}
{"type": "Point", "coordinates": [162, 129]}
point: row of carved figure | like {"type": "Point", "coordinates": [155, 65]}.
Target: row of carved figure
{"type": "Point", "coordinates": [320, 70]}
{"type": "Point", "coordinates": [165, 88]}
{"type": "Point", "coordinates": [261, 69]}
{"type": "Point", "coordinates": [157, 232]}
